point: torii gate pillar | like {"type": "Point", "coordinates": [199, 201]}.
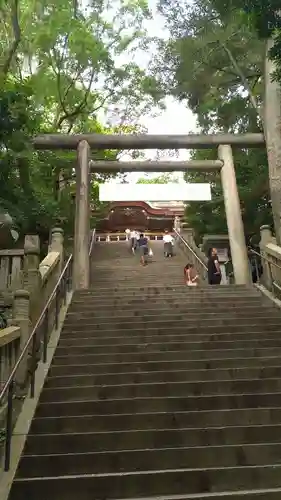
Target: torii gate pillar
{"type": "Point", "coordinates": [234, 220]}
{"type": "Point", "coordinates": [81, 265]}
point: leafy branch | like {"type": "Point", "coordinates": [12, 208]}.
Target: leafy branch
{"type": "Point", "coordinates": [17, 38]}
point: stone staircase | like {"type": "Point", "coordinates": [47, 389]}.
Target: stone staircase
{"type": "Point", "coordinates": [157, 390]}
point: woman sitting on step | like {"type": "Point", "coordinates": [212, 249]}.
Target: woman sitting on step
{"type": "Point", "coordinates": [190, 275]}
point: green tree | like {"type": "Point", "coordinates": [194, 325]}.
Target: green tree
{"type": "Point", "coordinates": [264, 17]}
{"type": "Point", "coordinates": [61, 67]}
{"type": "Point", "coordinates": [161, 179]}
{"type": "Point", "coordinates": [213, 61]}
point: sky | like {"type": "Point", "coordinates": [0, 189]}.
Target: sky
{"type": "Point", "coordinates": [177, 119]}
{"type": "Point", "coordinates": [182, 119]}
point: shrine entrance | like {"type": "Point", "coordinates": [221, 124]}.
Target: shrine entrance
{"type": "Point", "coordinates": [224, 164]}
{"type": "Point", "coordinates": [139, 215]}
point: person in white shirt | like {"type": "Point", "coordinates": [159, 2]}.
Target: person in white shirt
{"type": "Point", "coordinates": [133, 238]}
{"type": "Point", "coordinates": [168, 244]}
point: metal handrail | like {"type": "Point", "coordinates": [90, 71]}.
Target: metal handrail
{"type": "Point", "coordinates": [263, 257]}
{"type": "Point", "coordinates": [93, 239]}
{"type": "Point", "coordinates": [8, 389]}
{"type": "Point", "coordinates": [62, 285]}
{"type": "Point", "coordinates": [191, 250]}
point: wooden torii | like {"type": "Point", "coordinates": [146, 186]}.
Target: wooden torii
{"type": "Point", "coordinates": [225, 164]}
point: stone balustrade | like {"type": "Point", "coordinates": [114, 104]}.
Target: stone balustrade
{"type": "Point", "coordinates": [9, 350]}
{"type": "Point", "coordinates": [271, 261]}
{"type": "Point", "coordinates": [9, 353]}
{"type": "Point", "coordinates": [124, 237]}
{"type": "Point", "coordinates": [11, 265]}
{"type": "Point", "coordinates": [28, 295]}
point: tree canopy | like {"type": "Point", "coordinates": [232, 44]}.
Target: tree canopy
{"type": "Point", "coordinates": [213, 61]}
{"type": "Point", "coordinates": [64, 68]}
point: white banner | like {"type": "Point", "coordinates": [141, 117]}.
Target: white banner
{"type": "Point", "coordinates": [155, 192]}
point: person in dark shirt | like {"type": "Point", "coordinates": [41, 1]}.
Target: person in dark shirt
{"type": "Point", "coordinates": [214, 271]}
{"type": "Point", "coordinates": [143, 247]}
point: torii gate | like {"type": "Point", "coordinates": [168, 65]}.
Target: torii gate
{"type": "Point", "coordinates": [225, 164]}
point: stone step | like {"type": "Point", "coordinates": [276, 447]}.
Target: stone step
{"type": "Point", "coordinates": [144, 483]}
{"type": "Point", "coordinates": [210, 289]}
{"type": "Point", "coordinates": [61, 369]}
{"type": "Point", "coordinates": [177, 291]}
{"type": "Point", "coordinates": [69, 461]}
{"type": "Point", "coordinates": [159, 306]}
{"type": "Point", "coordinates": [150, 439]}
{"type": "Point", "coordinates": [92, 348]}
{"type": "Point", "coordinates": [150, 314]}
{"type": "Point", "coordinates": [237, 420]}
{"type": "Point", "coordinates": [108, 302]}
{"type": "Point", "coordinates": [165, 283]}
{"type": "Point", "coordinates": [80, 341]}
{"type": "Point", "coordinates": [184, 309]}
{"type": "Point", "coordinates": [170, 322]}
{"type": "Point", "coordinates": [180, 290]}
{"type": "Point", "coordinates": [180, 355]}
{"type": "Point", "coordinates": [70, 331]}
{"type": "Point", "coordinates": [151, 287]}
{"type": "Point", "coordinates": [132, 276]}
{"type": "Point", "coordinates": [155, 404]}
{"type": "Point", "coordinates": [162, 376]}
{"type": "Point", "coordinates": [161, 389]}
{"type": "Point", "coordinates": [129, 273]}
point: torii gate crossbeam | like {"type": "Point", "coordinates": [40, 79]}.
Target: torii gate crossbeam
{"type": "Point", "coordinates": [145, 141]}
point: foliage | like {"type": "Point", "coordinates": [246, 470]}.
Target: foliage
{"type": "Point", "coordinates": [209, 218]}
{"type": "Point", "coordinates": [213, 61]}
{"type": "Point", "coordinates": [264, 17]}
{"type": "Point", "coordinates": [161, 179]}
{"type": "Point", "coordinates": [63, 68]}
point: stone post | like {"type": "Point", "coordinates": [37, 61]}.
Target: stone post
{"type": "Point", "coordinates": [177, 224]}
{"type": "Point", "coordinates": [266, 237]}
{"type": "Point", "coordinates": [236, 234]}
{"type": "Point", "coordinates": [56, 244]}
{"type": "Point", "coordinates": [272, 120]}
{"type": "Point", "coordinates": [188, 234]}
{"type": "Point", "coordinates": [31, 274]}
{"type": "Point", "coordinates": [81, 271]}
{"type": "Point", "coordinates": [21, 312]}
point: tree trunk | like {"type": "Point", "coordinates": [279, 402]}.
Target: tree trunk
{"type": "Point", "coordinates": [272, 122]}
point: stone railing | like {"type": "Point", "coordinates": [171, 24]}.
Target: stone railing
{"type": "Point", "coordinates": [108, 237]}
{"type": "Point", "coordinates": [9, 353]}
{"type": "Point", "coordinates": [11, 265]}
{"type": "Point", "coordinates": [36, 313]}
{"type": "Point", "coordinates": [9, 350]}
{"type": "Point", "coordinates": [271, 262]}
{"type": "Point", "coordinates": [29, 284]}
